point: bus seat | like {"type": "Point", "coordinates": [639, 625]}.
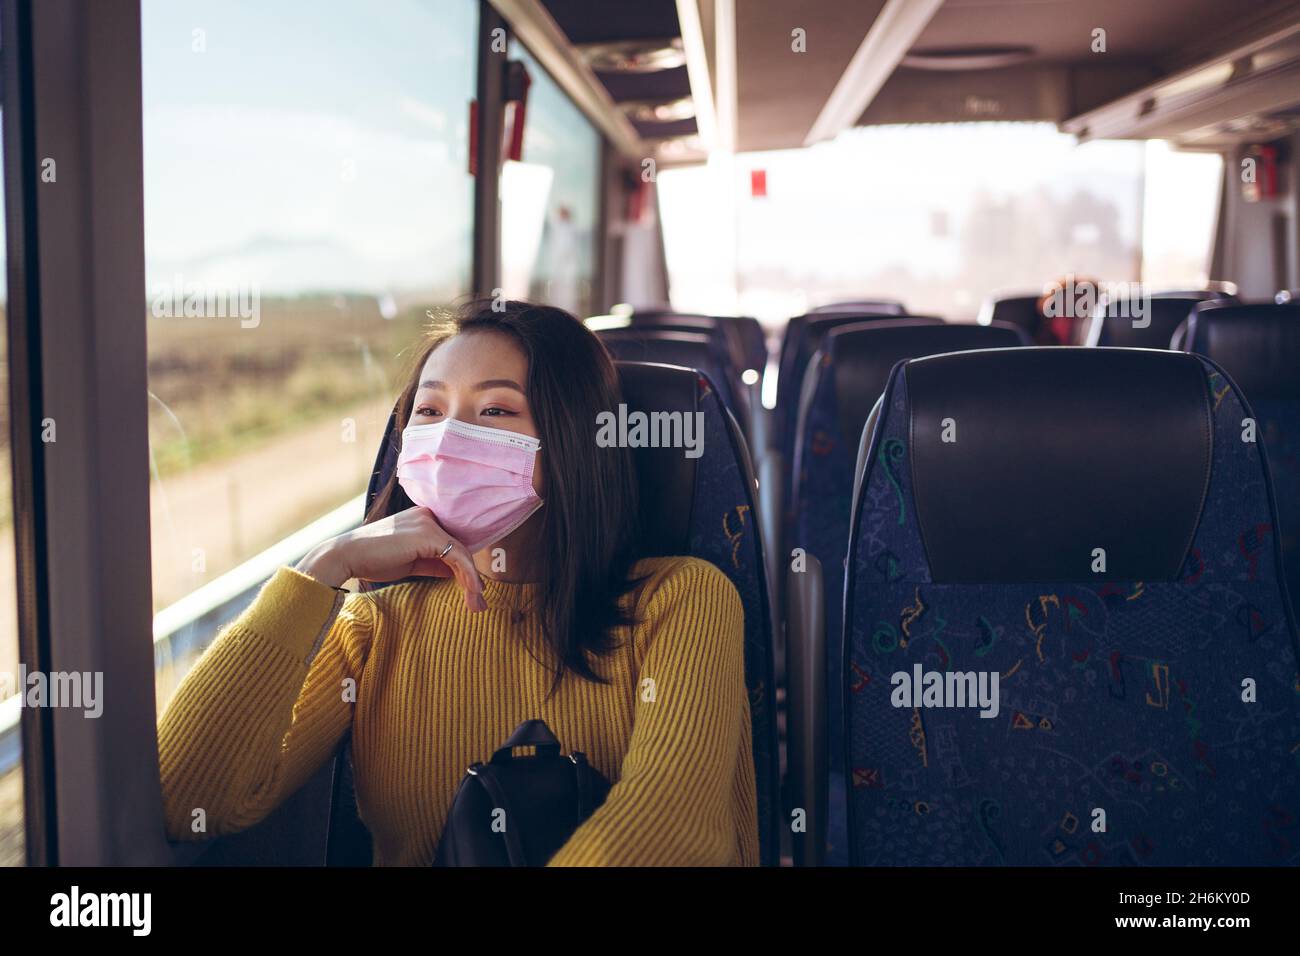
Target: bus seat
{"type": "Point", "coordinates": [702, 507]}
{"type": "Point", "coordinates": [843, 382]}
{"type": "Point", "coordinates": [1018, 310]}
{"type": "Point", "coordinates": [1259, 346]}
{"type": "Point", "coordinates": [698, 350]}
{"type": "Point", "coordinates": [803, 336]}
{"type": "Point", "coordinates": [1123, 733]}
{"type": "Point", "coordinates": [864, 307]}
{"type": "Point", "coordinates": [1112, 321]}
{"type": "Point", "coordinates": [742, 335]}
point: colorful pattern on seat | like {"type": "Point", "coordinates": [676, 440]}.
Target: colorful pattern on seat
{"type": "Point", "coordinates": [724, 532]}
{"type": "Point", "coordinates": [1121, 698]}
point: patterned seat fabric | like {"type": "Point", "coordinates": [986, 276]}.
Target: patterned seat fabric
{"type": "Point", "coordinates": [843, 383]}
{"type": "Point", "coordinates": [1143, 719]}
{"type": "Point", "coordinates": [703, 507]}
{"type": "Point", "coordinates": [1259, 346]}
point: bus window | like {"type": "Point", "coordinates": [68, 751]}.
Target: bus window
{"type": "Point", "coordinates": [307, 201]}
{"type": "Point", "coordinates": [12, 852]}
{"type": "Point", "coordinates": [1181, 204]}
{"type": "Point", "coordinates": [550, 206]}
{"type": "Point", "coordinates": [935, 216]}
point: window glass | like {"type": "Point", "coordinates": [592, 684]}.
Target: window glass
{"type": "Point", "coordinates": [550, 201]}
{"type": "Point", "coordinates": [307, 199]}
{"type": "Point", "coordinates": [12, 837]}
{"type": "Point", "coordinates": [1180, 209]}
{"type": "Point", "coordinates": [939, 216]}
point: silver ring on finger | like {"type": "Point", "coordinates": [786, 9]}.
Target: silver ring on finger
{"type": "Point", "coordinates": [447, 550]}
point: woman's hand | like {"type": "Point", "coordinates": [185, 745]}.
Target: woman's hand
{"type": "Point", "coordinates": [405, 544]}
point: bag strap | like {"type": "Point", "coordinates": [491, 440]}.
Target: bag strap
{"type": "Point", "coordinates": [580, 771]}
{"type": "Point", "coordinates": [487, 776]}
{"type": "Point", "coordinates": [531, 733]}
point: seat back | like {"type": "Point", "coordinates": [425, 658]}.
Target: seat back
{"type": "Point", "coordinates": [1098, 544]}
{"type": "Point", "coordinates": [803, 336]}
{"type": "Point", "coordinates": [741, 336]}
{"type": "Point", "coordinates": [699, 350]}
{"type": "Point", "coordinates": [1141, 323]}
{"type": "Point", "coordinates": [703, 507]}
{"type": "Point", "coordinates": [842, 384]}
{"type": "Point", "coordinates": [863, 307]}
{"type": "Point", "coordinates": [1259, 346]}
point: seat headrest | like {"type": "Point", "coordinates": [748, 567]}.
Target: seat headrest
{"type": "Point", "coordinates": [1140, 323]}
{"type": "Point", "coordinates": [648, 344]}
{"type": "Point", "coordinates": [862, 355]}
{"type": "Point", "coordinates": [1258, 345]}
{"type": "Point", "coordinates": [665, 476]}
{"type": "Point", "coordinates": [862, 306]}
{"type": "Point", "coordinates": [1024, 461]}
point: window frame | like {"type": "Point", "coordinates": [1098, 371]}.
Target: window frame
{"type": "Point", "coordinates": [76, 270]}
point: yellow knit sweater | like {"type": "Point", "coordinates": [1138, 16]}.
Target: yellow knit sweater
{"type": "Point", "coordinates": [437, 687]}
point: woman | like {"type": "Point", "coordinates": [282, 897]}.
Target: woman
{"type": "Point", "coordinates": [525, 600]}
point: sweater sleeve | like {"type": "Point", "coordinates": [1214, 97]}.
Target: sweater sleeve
{"type": "Point", "coordinates": [263, 708]}
{"type": "Point", "coordinates": [672, 804]}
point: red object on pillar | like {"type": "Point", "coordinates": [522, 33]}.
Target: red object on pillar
{"type": "Point", "coordinates": [638, 195]}
{"type": "Point", "coordinates": [758, 183]}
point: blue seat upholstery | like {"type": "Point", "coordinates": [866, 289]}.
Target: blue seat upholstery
{"type": "Point", "coordinates": [844, 380]}
{"type": "Point", "coordinates": [703, 507]}
{"type": "Point", "coordinates": [1149, 707]}
{"type": "Point", "coordinates": [1259, 346]}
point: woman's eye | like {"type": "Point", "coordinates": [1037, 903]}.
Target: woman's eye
{"type": "Point", "coordinates": [496, 411]}
{"type": "Point", "coordinates": [426, 411]}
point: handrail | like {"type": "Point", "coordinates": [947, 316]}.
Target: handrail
{"type": "Point", "coordinates": [203, 601]}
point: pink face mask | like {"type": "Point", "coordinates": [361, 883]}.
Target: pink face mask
{"type": "Point", "coordinates": [477, 481]}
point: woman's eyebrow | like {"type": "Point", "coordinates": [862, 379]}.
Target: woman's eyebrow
{"type": "Point", "coordinates": [498, 383]}
{"type": "Point", "coordinates": [481, 386]}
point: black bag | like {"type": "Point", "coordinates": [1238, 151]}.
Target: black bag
{"type": "Point", "coordinates": [518, 811]}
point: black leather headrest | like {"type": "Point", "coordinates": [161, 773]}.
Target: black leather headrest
{"type": "Point", "coordinates": [1258, 345]}
{"type": "Point", "coordinates": [863, 307]}
{"type": "Point", "coordinates": [673, 320]}
{"type": "Point", "coordinates": [819, 326]}
{"type": "Point", "coordinates": [1018, 310]}
{"type": "Point", "coordinates": [665, 476]}
{"type": "Point", "coordinates": [1113, 323]}
{"type": "Point", "coordinates": [865, 353]}
{"type": "Point", "coordinates": [648, 344]}
{"type": "Point", "coordinates": [1057, 452]}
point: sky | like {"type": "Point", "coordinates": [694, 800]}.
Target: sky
{"type": "Point", "coordinates": [296, 146]}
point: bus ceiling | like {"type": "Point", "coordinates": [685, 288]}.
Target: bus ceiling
{"type": "Point", "coordinates": [679, 79]}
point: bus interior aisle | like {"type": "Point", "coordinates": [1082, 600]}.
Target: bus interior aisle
{"type": "Point", "coordinates": [833, 434]}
